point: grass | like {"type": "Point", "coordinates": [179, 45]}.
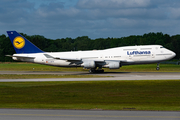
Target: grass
{"type": "Point", "coordinates": [20, 66]}
{"type": "Point", "coordinates": [106, 95]}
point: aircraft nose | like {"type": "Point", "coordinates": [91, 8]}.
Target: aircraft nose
{"type": "Point", "coordinates": [173, 54]}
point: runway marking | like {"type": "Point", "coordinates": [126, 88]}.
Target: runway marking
{"type": "Point", "coordinates": [97, 116]}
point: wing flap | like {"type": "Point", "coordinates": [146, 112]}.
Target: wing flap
{"type": "Point", "coordinates": [68, 59]}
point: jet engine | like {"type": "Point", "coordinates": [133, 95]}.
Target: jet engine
{"type": "Point", "coordinates": [89, 64]}
{"type": "Point", "coordinates": [114, 65]}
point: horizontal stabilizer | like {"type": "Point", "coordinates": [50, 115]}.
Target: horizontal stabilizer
{"type": "Point", "coordinates": [20, 56]}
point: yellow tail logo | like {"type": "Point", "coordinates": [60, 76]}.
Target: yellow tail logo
{"type": "Point", "coordinates": [19, 42]}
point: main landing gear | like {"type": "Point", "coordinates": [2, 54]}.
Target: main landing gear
{"type": "Point", "coordinates": [157, 68]}
{"type": "Point", "coordinates": [96, 71]}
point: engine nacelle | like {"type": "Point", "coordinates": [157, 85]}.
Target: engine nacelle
{"type": "Point", "coordinates": [15, 58]}
{"type": "Point", "coordinates": [89, 64]}
{"type": "Point", "coordinates": [114, 65]}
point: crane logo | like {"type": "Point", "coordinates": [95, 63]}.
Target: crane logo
{"type": "Point", "coordinates": [19, 42]}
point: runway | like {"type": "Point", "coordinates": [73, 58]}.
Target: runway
{"type": "Point", "coordinates": [28, 114]}
{"type": "Point", "coordinates": [111, 76]}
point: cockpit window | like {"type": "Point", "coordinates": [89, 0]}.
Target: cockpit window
{"type": "Point", "coordinates": [162, 47]}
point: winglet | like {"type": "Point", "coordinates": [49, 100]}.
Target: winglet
{"type": "Point", "coordinates": [21, 44]}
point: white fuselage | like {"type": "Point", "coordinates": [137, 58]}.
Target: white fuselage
{"type": "Point", "coordinates": [125, 55]}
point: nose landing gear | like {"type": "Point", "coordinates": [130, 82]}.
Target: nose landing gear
{"type": "Point", "coordinates": [157, 68]}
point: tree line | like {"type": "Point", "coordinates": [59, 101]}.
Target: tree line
{"type": "Point", "coordinates": [85, 43]}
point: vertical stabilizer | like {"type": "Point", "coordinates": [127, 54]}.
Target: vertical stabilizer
{"type": "Point", "coordinates": [21, 44]}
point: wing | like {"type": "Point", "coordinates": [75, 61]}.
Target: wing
{"type": "Point", "coordinates": [73, 59]}
{"type": "Point", "coordinates": [67, 59]}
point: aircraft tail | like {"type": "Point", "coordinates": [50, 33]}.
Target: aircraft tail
{"type": "Point", "coordinates": [21, 44]}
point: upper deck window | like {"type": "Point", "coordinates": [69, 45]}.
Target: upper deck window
{"type": "Point", "coordinates": [128, 49]}
{"type": "Point", "coordinates": [146, 48]}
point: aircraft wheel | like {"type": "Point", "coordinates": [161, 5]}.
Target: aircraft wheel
{"type": "Point", "coordinates": [157, 68]}
{"type": "Point", "coordinates": [91, 71]}
{"type": "Point", "coordinates": [102, 71]}
{"type": "Point", "coordinates": [95, 71]}
{"type": "Point", "coordinates": [99, 71]}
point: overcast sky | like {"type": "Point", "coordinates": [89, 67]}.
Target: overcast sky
{"type": "Point", "coordinates": [94, 18]}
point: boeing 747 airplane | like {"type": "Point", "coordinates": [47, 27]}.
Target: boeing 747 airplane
{"type": "Point", "coordinates": [93, 60]}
